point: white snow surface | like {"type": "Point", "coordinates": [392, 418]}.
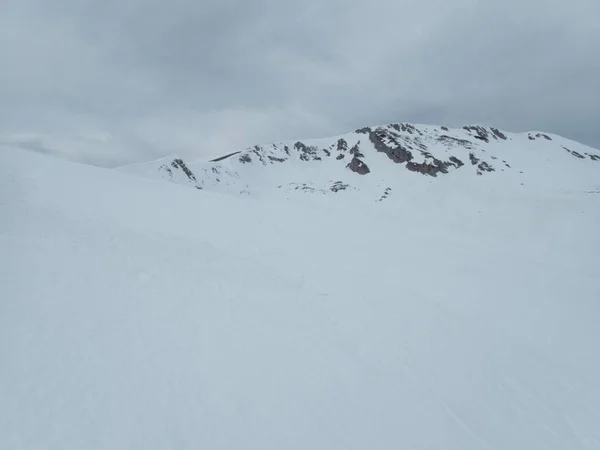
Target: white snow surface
{"type": "Point", "coordinates": [460, 313]}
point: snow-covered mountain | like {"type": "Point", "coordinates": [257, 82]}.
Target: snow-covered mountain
{"type": "Point", "coordinates": [282, 305]}
{"type": "Point", "coordinates": [389, 157]}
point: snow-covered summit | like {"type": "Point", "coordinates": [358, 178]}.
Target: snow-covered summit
{"type": "Point", "coordinates": [388, 157]}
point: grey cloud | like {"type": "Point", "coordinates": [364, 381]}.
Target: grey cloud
{"type": "Point", "coordinates": [200, 78]}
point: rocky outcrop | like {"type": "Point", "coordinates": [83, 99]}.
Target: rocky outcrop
{"type": "Point", "coordinates": [342, 145]}
{"type": "Point", "coordinates": [457, 162]}
{"type": "Point", "coordinates": [179, 164]}
{"type": "Point", "coordinates": [574, 153]}
{"type": "Point", "coordinates": [398, 154]}
{"type": "Point", "coordinates": [358, 166]}
{"type": "Point", "coordinates": [221, 158]}
{"type": "Point", "coordinates": [307, 153]}
{"type": "Point", "coordinates": [485, 135]}
{"type": "Point", "coordinates": [431, 169]}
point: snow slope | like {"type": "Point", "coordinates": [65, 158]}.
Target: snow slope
{"type": "Point", "coordinates": [139, 314]}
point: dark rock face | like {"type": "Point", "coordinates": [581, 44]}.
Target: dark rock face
{"type": "Point", "coordinates": [221, 158]}
{"type": "Point", "coordinates": [594, 157]}
{"type": "Point", "coordinates": [406, 128]}
{"type": "Point", "coordinates": [365, 130]}
{"type": "Point", "coordinates": [398, 155]}
{"type": "Point", "coordinates": [457, 162]}
{"type": "Point", "coordinates": [485, 167]}
{"type": "Point", "coordinates": [274, 159]}
{"type": "Point", "coordinates": [498, 134]}
{"type": "Point", "coordinates": [307, 153]}
{"type": "Point", "coordinates": [473, 158]}
{"type": "Point", "coordinates": [179, 164]}
{"type": "Point", "coordinates": [338, 186]}
{"type": "Point", "coordinates": [478, 133]}
{"type": "Point", "coordinates": [355, 151]}
{"type": "Point", "coordinates": [245, 158]}
{"type": "Point", "coordinates": [574, 153]}
{"type": "Point", "coordinates": [358, 166]}
{"type": "Point", "coordinates": [450, 141]}
{"type": "Point", "coordinates": [386, 194]}
{"type": "Point", "coordinates": [340, 156]}
{"type": "Point", "coordinates": [431, 169]}
{"type": "Point", "coordinates": [342, 145]}
{"type": "Point", "coordinates": [539, 136]}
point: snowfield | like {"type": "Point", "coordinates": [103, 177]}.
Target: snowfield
{"type": "Point", "coordinates": [460, 313]}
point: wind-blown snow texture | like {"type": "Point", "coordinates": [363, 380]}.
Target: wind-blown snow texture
{"type": "Point", "coordinates": [459, 312]}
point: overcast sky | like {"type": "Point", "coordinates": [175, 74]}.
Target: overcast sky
{"type": "Point", "coordinates": [116, 81]}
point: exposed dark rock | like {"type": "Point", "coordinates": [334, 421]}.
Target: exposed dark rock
{"type": "Point", "coordinates": [274, 159]}
{"type": "Point", "coordinates": [538, 135]}
{"type": "Point", "coordinates": [398, 155]}
{"type": "Point", "coordinates": [485, 167]}
{"type": "Point", "coordinates": [342, 145]}
{"type": "Point", "coordinates": [355, 151]}
{"type": "Point", "coordinates": [445, 128]}
{"type": "Point", "coordinates": [338, 186]}
{"type": "Point", "coordinates": [406, 127]}
{"type": "Point", "coordinates": [365, 130]}
{"type": "Point", "coordinates": [386, 194]}
{"type": "Point", "coordinates": [327, 152]}
{"type": "Point", "coordinates": [245, 158]}
{"type": "Point", "coordinates": [340, 156]}
{"type": "Point", "coordinates": [307, 153]}
{"type": "Point", "coordinates": [179, 164]}
{"type": "Point", "coordinates": [473, 159]}
{"type": "Point", "coordinates": [431, 169]}
{"type": "Point", "coordinates": [258, 151]}
{"type": "Point", "coordinates": [574, 153]}
{"type": "Point", "coordinates": [358, 166]}
{"type": "Point", "coordinates": [594, 157]}
{"type": "Point", "coordinates": [478, 132]}
{"type": "Point", "coordinates": [452, 141]}
{"type": "Point", "coordinates": [457, 162]}
{"type": "Point", "coordinates": [286, 149]}
{"type": "Point", "coordinates": [221, 158]}
{"type": "Point", "coordinates": [498, 133]}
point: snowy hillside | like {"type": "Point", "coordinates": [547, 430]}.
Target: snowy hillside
{"type": "Point", "coordinates": [379, 161]}
{"type": "Point", "coordinates": [458, 313]}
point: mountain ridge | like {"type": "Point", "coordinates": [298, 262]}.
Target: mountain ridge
{"type": "Point", "coordinates": [379, 152]}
